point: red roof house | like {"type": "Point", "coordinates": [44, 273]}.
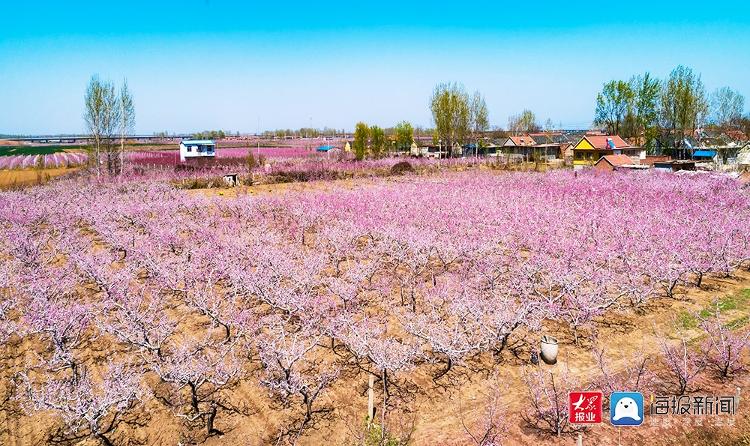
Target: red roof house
{"type": "Point", "coordinates": [612, 162]}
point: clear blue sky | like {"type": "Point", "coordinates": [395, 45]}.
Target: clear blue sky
{"type": "Point", "coordinates": [237, 65]}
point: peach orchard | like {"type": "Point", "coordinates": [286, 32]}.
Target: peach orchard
{"type": "Point", "coordinates": [117, 296]}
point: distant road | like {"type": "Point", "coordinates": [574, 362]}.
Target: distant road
{"type": "Point", "coordinates": [73, 139]}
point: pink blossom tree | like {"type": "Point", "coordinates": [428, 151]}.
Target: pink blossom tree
{"type": "Point", "coordinates": [292, 364]}
{"type": "Point", "coordinates": [198, 373]}
{"type": "Point", "coordinates": [723, 348]}
{"type": "Point", "coordinates": [548, 411]}
{"type": "Point", "coordinates": [682, 364]}
{"type": "Point", "coordinates": [87, 407]}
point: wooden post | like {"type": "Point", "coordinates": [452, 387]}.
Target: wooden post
{"type": "Point", "coordinates": [370, 400]}
{"type": "Point", "coordinates": [737, 399]}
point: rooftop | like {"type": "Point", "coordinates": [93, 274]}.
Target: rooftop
{"type": "Point", "coordinates": [198, 141]}
{"type": "Point", "coordinates": [616, 160]}
{"type": "Point", "coordinates": [600, 141]}
{"type": "Point", "coordinates": [704, 153]}
{"type": "Point", "coordinates": [523, 140]}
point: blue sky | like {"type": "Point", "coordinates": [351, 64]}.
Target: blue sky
{"type": "Point", "coordinates": [243, 65]}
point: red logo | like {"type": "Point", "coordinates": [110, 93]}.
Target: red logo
{"type": "Point", "coordinates": [585, 407]}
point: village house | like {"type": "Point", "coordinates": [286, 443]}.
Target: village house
{"type": "Point", "coordinates": [521, 146]}
{"type": "Point", "coordinates": [674, 165]}
{"type": "Point", "coordinates": [590, 148]}
{"type": "Point", "coordinates": [533, 147]}
{"type": "Point", "coordinates": [197, 148]}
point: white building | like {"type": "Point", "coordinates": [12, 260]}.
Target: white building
{"type": "Point", "coordinates": [197, 148]}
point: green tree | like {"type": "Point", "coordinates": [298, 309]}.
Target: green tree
{"type": "Point", "coordinates": [361, 135]}
{"type": "Point", "coordinates": [377, 141]}
{"type": "Point", "coordinates": [683, 104]}
{"type": "Point", "coordinates": [449, 105]}
{"type": "Point", "coordinates": [646, 91]}
{"type": "Point", "coordinates": [404, 135]}
{"type": "Point", "coordinates": [613, 104]}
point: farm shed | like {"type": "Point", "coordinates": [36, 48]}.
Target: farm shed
{"type": "Point", "coordinates": [197, 148]}
{"type": "Point", "coordinates": [651, 159]}
{"type": "Point", "coordinates": [674, 166]}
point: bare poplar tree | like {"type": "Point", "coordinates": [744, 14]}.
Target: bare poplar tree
{"type": "Point", "coordinates": [102, 117]}
{"type": "Point", "coordinates": [727, 106]}
{"type": "Point", "coordinates": [127, 119]}
{"type": "Point", "coordinates": [523, 123]}
{"type": "Point", "coordinates": [478, 118]}
{"type": "Point", "coordinates": [93, 116]}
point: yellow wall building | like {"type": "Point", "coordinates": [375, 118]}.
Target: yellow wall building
{"type": "Point", "coordinates": [591, 148]}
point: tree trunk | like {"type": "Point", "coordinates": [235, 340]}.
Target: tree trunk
{"type": "Point", "coordinates": [448, 366]}
{"type": "Point", "coordinates": [104, 440]}
{"type": "Point", "coordinates": [210, 422]}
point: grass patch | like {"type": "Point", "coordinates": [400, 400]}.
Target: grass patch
{"type": "Point", "coordinates": [732, 302]}
{"type": "Point", "coordinates": [687, 320]}
{"type": "Point", "coordinates": [738, 301]}
{"type": "Point", "coordinates": [33, 150]}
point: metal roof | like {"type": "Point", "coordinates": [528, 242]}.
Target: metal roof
{"type": "Point", "coordinates": [198, 141]}
{"type": "Point", "coordinates": [707, 153]}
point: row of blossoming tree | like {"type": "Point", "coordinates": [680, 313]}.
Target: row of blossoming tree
{"type": "Point", "coordinates": [121, 298]}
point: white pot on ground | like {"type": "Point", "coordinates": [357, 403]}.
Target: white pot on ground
{"type": "Point", "coordinates": [549, 350]}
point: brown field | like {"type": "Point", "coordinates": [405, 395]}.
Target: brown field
{"type": "Point", "coordinates": [11, 178]}
{"type": "Point", "coordinates": [5, 142]}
